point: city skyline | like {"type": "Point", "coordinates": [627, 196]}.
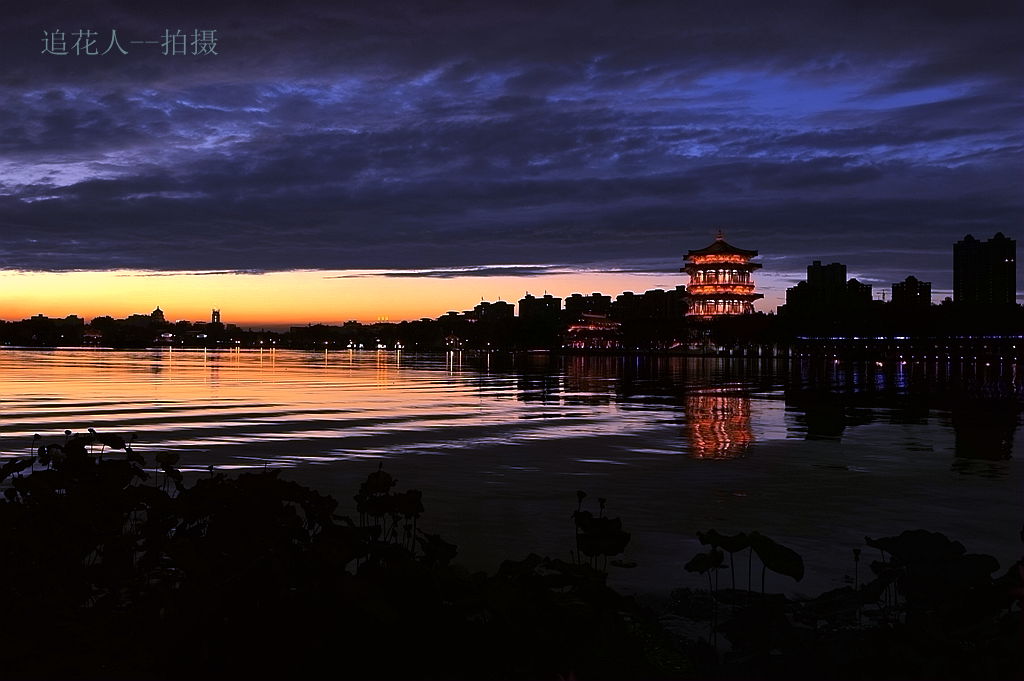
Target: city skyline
{"type": "Point", "coordinates": [375, 304]}
{"type": "Point", "coordinates": [179, 291]}
{"type": "Point", "coordinates": [347, 162]}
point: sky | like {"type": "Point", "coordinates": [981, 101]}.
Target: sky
{"type": "Point", "coordinates": [359, 160]}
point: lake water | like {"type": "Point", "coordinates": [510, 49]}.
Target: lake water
{"type": "Point", "coordinates": [816, 455]}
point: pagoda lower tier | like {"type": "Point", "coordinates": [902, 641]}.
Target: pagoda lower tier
{"type": "Point", "coordinates": [725, 303]}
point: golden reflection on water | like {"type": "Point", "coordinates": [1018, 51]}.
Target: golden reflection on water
{"type": "Point", "coordinates": [514, 441]}
{"type": "Point", "coordinates": [167, 390]}
{"type": "Point", "coordinates": [340, 403]}
{"type": "Point", "coordinates": [718, 426]}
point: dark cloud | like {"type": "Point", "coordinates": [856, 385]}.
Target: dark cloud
{"type": "Point", "coordinates": [441, 137]}
{"type": "Point", "coordinates": [618, 267]}
{"type": "Point", "coordinates": [455, 272]}
{"type": "Point", "coordinates": [191, 273]}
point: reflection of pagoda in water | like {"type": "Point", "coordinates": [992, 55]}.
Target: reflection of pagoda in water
{"type": "Point", "coordinates": [718, 426]}
{"type": "Point", "coordinates": [720, 282]}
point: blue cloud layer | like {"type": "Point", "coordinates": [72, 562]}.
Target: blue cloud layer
{"type": "Point", "coordinates": [447, 136]}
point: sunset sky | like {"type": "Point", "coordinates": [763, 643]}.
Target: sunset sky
{"type": "Point", "coordinates": [356, 160]}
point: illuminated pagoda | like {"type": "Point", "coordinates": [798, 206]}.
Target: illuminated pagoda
{"type": "Point", "coordinates": [720, 281]}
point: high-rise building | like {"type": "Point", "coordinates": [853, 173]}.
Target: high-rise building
{"type": "Point", "coordinates": [656, 304]}
{"type": "Point", "coordinates": [577, 305]}
{"type": "Point", "coordinates": [493, 312]}
{"type": "Point", "coordinates": [912, 293]}
{"type": "Point", "coordinates": [824, 289]}
{"type": "Point", "coordinates": [858, 294]}
{"type": "Point", "coordinates": [540, 321]}
{"type": "Point", "coordinates": [985, 272]}
{"type": "Point", "coordinates": [826, 296]}
{"type": "Point", "coordinates": [547, 307]}
{"type": "Point", "coordinates": [720, 281]}
{"type": "Point", "coordinates": [626, 306]}
{"type": "Point", "coordinates": [659, 304]}
{"type": "Point", "coordinates": [830, 279]}
{"type": "Point", "coordinates": [215, 317]}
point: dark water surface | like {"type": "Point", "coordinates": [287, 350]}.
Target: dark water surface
{"type": "Point", "coordinates": [815, 455]}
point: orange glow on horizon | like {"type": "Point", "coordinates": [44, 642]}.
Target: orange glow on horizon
{"type": "Point", "coordinates": [281, 299]}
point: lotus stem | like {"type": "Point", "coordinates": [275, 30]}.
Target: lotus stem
{"type": "Point", "coordinates": [750, 560]}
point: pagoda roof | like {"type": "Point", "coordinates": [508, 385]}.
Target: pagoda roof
{"type": "Point", "coordinates": [721, 247]}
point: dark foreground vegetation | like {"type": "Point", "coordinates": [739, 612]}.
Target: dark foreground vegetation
{"type": "Point", "coordinates": [112, 571]}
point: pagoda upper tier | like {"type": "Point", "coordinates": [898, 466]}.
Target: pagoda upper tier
{"type": "Point", "coordinates": [720, 281]}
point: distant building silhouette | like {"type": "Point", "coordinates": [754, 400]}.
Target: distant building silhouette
{"type": "Point", "coordinates": [985, 273]}
{"type": "Point", "coordinates": [215, 316]}
{"type": "Point", "coordinates": [659, 304]}
{"type": "Point", "coordinates": [825, 288]}
{"type": "Point", "coordinates": [827, 280]}
{"type": "Point", "coordinates": [545, 308]}
{"type": "Point", "coordinates": [655, 304]}
{"type": "Point", "coordinates": [720, 281]}
{"type": "Point", "coordinates": [496, 311]}
{"type": "Point", "coordinates": [858, 294]}
{"type": "Point", "coordinates": [577, 305]}
{"type": "Point", "coordinates": [627, 305]}
{"type": "Point", "coordinates": [912, 294]}
{"type": "Point", "coordinates": [826, 297]}
{"type": "Point", "coordinates": [540, 321]}
{"type": "Point", "coordinates": [154, 318]}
